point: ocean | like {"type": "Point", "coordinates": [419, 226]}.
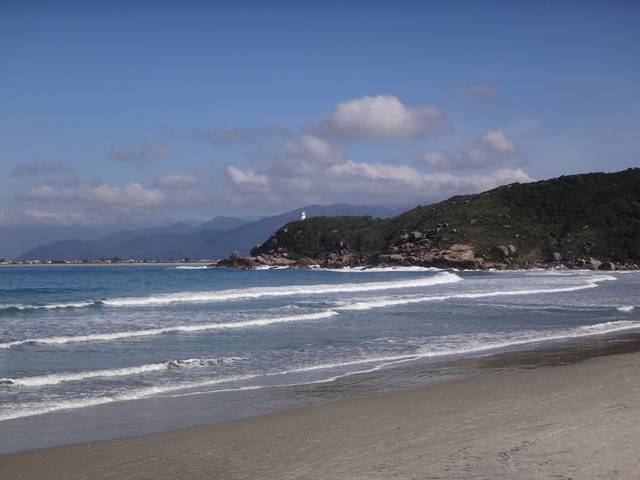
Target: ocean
{"type": "Point", "coordinates": [91, 352]}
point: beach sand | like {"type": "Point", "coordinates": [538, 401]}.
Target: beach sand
{"type": "Point", "coordinates": [579, 420]}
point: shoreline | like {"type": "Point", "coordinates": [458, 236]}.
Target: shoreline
{"type": "Point", "coordinates": [600, 371]}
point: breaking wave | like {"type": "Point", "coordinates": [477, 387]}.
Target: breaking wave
{"type": "Point", "coordinates": [18, 307]}
{"type": "Point", "coordinates": [625, 308]}
{"type": "Point", "coordinates": [57, 378]}
{"type": "Point", "coordinates": [281, 291]}
{"type": "Point", "coordinates": [104, 337]}
{"type": "Point", "coordinates": [241, 294]}
{"type": "Point", "coordinates": [454, 345]}
{"type": "Point", "coordinates": [391, 301]}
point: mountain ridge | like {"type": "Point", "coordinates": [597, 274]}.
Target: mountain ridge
{"type": "Point", "coordinates": [577, 220]}
{"type": "Point", "coordinates": [180, 240]}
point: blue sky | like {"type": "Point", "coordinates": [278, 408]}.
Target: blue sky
{"type": "Point", "coordinates": [116, 110]}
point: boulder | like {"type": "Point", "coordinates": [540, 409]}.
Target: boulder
{"type": "Point", "coordinates": [556, 257]}
{"type": "Point", "coordinates": [607, 266]}
{"type": "Point", "coordinates": [502, 251]}
{"type": "Point", "coordinates": [594, 264]}
{"type": "Point", "coordinates": [282, 262]}
{"type": "Point", "coordinates": [392, 258]}
{"type": "Point", "coordinates": [235, 255]}
{"type": "Point", "coordinates": [306, 262]}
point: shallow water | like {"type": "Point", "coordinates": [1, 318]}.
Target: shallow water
{"type": "Point", "coordinates": [75, 340]}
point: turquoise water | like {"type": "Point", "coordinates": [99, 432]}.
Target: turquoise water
{"type": "Point", "coordinates": [72, 338]}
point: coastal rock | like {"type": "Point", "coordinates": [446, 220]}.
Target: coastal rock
{"type": "Point", "coordinates": [394, 258]}
{"type": "Point", "coordinates": [594, 264]}
{"type": "Point", "coordinates": [502, 251]}
{"type": "Point", "coordinates": [306, 262]}
{"type": "Point", "coordinates": [556, 256]}
{"type": "Point", "coordinates": [459, 251]}
{"type": "Point", "coordinates": [281, 261]}
{"type": "Point", "coordinates": [236, 261]}
{"type": "Point", "coordinates": [607, 266]}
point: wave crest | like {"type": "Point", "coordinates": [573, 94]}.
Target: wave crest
{"type": "Point", "coordinates": [103, 337]}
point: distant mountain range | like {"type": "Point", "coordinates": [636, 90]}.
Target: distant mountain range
{"type": "Point", "coordinates": [216, 238]}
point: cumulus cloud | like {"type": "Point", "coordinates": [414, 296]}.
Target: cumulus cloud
{"type": "Point", "coordinates": [177, 181]}
{"type": "Point", "coordinates": [139, 154]}
{"type": "Point", "coordinates": [491, 149]}
{"type": "Point", "coordinates": [380, 117]}
{"type": "Point", "coordinates": [313, 170]}
{"type": "Point", "coordinates": [313, 167]}
{"type": "Point", "coordinates": [39, 168]}
{"type": "Point", "coordinates": [496, 141]}
{"type": "Point", "coordinates": [246, 178]}
{"type": "Point", "coordinates": [129, 198]}
{"type": "Point", "coordinates": [405, 174]}
{"type": "Point", "coordinates": [410, 177]}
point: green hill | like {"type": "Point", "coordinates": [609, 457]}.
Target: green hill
{"type": "Point", "coordinates": [569, 219]}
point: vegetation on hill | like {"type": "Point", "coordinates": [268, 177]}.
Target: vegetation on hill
{"type": "Point", "coordinates": [572, 217]}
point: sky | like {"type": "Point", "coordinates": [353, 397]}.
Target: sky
{"type": "Point", "coordinates": [137, 110]}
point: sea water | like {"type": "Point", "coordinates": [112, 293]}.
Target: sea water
{"type": "Point", "coordinates": [75, 340]}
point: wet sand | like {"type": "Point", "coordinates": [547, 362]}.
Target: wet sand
{"type": "Point", "coordinates": [559, 413]}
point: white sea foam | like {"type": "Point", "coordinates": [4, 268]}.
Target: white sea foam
{"type": "Point", "coordinates": [241, 294]}
{"type": "Point", "coordinates": [474, 344]}
{"type": "Point", "coordinates": [57, 378]}
{"type": "Point", "coordinates": [192, 267]}
{"type": "Point", "coordinates": [378, 269]}
{"type": "Point", "coordinates": [53, 406]}
{"type": "Point", "coordinates": [281, 291]}
{"type": "Point", "coordinates": [50, 306]}
{"type": "Point", "coordinates": [104, 337]}
{"type": "Point", "coordinates": [391, 301]}
{"type": "Point", "coordinates": [626, 308]}
{"type": "Point", "coordinates": [48, 407]}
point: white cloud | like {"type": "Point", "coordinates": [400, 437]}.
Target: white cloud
{"type": "Point", "coordinates": [379, 171]}
{"type": "Point", "coordinates": [492, 148]}
{"type": "Point", "coordinates": [411, 177]}
{"type": "Point", "coordinates": [311, 147]}
{"type": "Point", "coordinates": [177, 181]}
{"type": "Point", "coordinates": [381, 117]}
{"type": "Point", "coordinates": [313, 168]}
{"type": "Point", "coordinates": [497, 141]}
{"type": "Point", "coordinates": [139, 154]}
{"type": "Point", "coordinates": [100, 196]}
{"type": "Point", "coordinates": [244, 178]}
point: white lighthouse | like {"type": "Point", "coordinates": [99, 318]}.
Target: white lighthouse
{"type": "Point", "coordinates": [303, 215]}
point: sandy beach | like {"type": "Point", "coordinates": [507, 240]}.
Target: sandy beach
{"type": "Point", "coordinates": [571, 421]}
